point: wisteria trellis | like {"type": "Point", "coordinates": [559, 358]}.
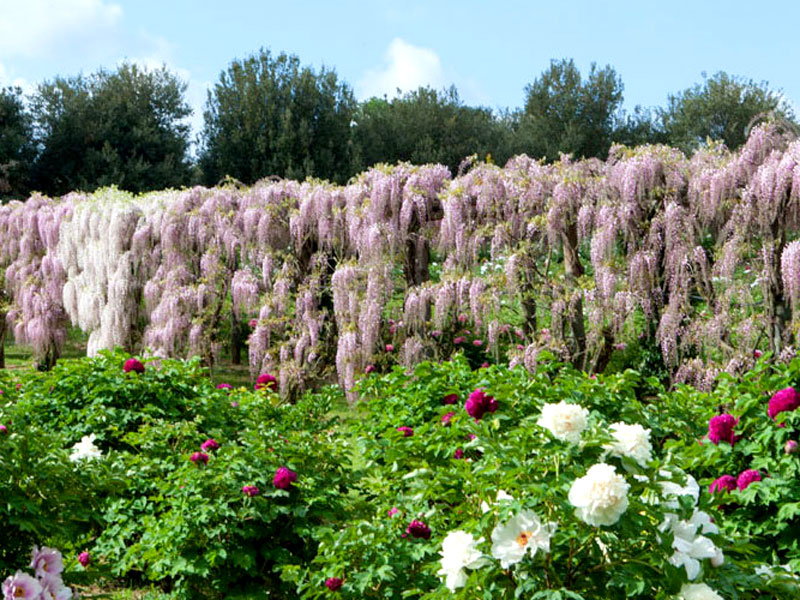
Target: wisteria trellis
{"type": "Point", "coordinates": [698, 255]}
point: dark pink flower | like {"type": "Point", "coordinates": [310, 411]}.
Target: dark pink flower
{"type": "Point", "coordinates": [436, 333]}
{"type": "Point", "coordinates": [746, 478]}
{"type": "Point", "coordinates": [267, 381]}
{"type": "Point", "coordinates": [785, 400]}
{"type": "Point", "coordinates": [479, 403]}
{"type": "Point", "coordinates": [392, 511]}
{"type": "Point", "coordinates": [199, 457]}
{"type": "Point", "coordinates": [389, 347]}
{"type": "Point", "coordinates": [756, 353]}
{"type": "Point", "coordinates": [720, 429]}
{"type": "Point", "coordinates": [253, 323]}
{"type": "Point", "coordinates": [477, 343]}
{"type": "Point", "coordinates": [418, 529]}
{"type": "Point", "coordinates": [471, 436]}
{"type": "Point", "coordinates": [84, 558]}
{"type": "Point", "coordinates": [224, 386]}
{"type": "Point", "coordinates": [133, 365]}
{"type": "Point", "coordinates": [458, 340]}
{"type": "Point", "coordinates": [3, 429]}
{"type": "Point", "coordinates": [234, 404]}
{"type": "Point", "coordinates": [446, 418]}
{"type": "Point", "coordinates": [250, 490]}
{"type": "Point", "coordinates": [334, 584]}
{"type": "Point", "coordinates": [726, 483]}
{"type": "Point", "coordinates": [210, 444]}
{"type": "Point", "coordinates": [369, 369]}
{"type": "Point", "coordinates": [450, 399]}
{"type": "Point", "coordinates": [520, 347]}
{"type": "Point", "coordinates": [284, 477]}
{"type": "Point", "coordinates": [791, 447]}
{"type": "Point", "coordinates": [406, 431]}
{"type": "Point", "coordinates": [462, 318]}
{"type": "Point", "coordinates": [459, 453]}
{"type": "Point", "coordinates": [484, 365]}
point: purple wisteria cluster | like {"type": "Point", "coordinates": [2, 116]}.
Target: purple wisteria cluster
{"type": "Point", "coordinates": [46, 584]}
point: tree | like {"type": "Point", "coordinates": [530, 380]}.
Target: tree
{"type": "Point", "coordinates": [16, 144]}
{"type": "Point", "coordinates": [426, 126]}
{"type": "Point", "coordinates": [722, 108]}
{"type": "Point", "coordinates": [125, 128]}
{"type": "Point", "coordinates": [565, 114]}
{"type": "Point", "coordinates": [270, 116]}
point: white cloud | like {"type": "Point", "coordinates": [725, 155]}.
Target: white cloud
{"type": "Point", "coordinates": [406, 67]}
{"type": "Point", "coordinates": [34, 28]}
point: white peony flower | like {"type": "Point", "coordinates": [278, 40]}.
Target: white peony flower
{"type": "Point", "coordinates": [601, 496]}
{"type": "Point", "coordinates": [670, 488]}
{"type": "Point", "coordinates": [523, 533]}
{"type": "Point", "coordinates": [698, 591]}
{"type": "Point", "coordinates": [689, 544]}
{"type": "Point", "coordinates": [565, 421]}
{"type": "Point", "coordinates": [459, 552]}
{"type": "Point", "coordinates": [632, 441]}
{"type": "Point", "coordinates": [85, 449]}
{"type": "Point", "coordinates": [502, 496]}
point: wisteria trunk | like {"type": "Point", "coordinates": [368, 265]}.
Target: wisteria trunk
{"type": "Point", "coordinates": [573, 269]}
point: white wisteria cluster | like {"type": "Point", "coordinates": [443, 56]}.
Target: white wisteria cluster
{"type": "Point", "coordinates": [601, 496]}
{"type": "Point", "coordinates": [565, 421]}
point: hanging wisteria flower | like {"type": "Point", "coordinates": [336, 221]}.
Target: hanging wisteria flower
{"type": "Point", "coordinates": [418, 529]}
{"type": "Point", "coordinates": [479, 403]}
{"type": "Point", "coordinates": [267, 381]}
{"type": "Point", "coordinates": [46, 561]}
{"type": "Point", "coordinates": [565, 421]}
{"type": "Point", "coordinates": [250, 490]}
{"type": "Point", "coordinates": [785, 400]}
{"type": "Point", "coordinates": [724, 483]}
{"type": "Point", "coordinates": [85, 449]}
{"type": "Point", "coordinates": [522, 533]}
{"type": "Point", "coordinates": [698, 591]}
{"type": "Point", "coordinates": [209, 444]}
{"type": "Point", "coordinates": [406, 431]}
{"type": "Point", "coordinates": [199, 458]}
{"type": "Point", "coordinates": [84, 558]}
{"type": "Point", "coordinates": [746, 478]}
{"type": "Point", "coordinates": [632, 441]}
{"type": "Point", "coordinates": [284, 478]}
{"type": "Point", "coordinates": [21, 586]}
{"type": "Point", "coordinates": [134, 365]}
{"type": "Point", "coordinates": [334, 584]}
{"type": "Point", "coordinates": [601, 496]}
{"type": "Point", "coordinates": [720, 429]}
{"type": "Point", "coordinates": [459, 552]}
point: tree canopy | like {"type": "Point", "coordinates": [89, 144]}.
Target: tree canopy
{"type": "Point", "coordinates": [16, 144]}
{"type": "Point", "coordinates": [271, 116]}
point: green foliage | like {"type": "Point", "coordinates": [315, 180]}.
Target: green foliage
{"type": "Point", "coordinates": [268, 116]}
{"type": "Point", "coordinates": [125, 128]}
{"type": "Point", "coordinates": [16, 144]}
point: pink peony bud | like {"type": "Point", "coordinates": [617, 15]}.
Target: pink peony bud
{"type": "Point", "coordinates": [224, 386]}
{"type": "Point", "coordinates": [725, 483]}
{"type": "Point", "coordinates": [459, 340]}
{"type": "Point", "coordinates": [253, 323]}
{"type": "Point", "coordinates": [785, 400]}
{"type": "Point", "coordinates": [520, 347]}
{"type": "Point", "coordinates": [392, 511]}
{"type": "Point", "coordinates": [462, 318]}
{"type": "Point", "coordinates": [446, 418]}
{"type": "Point", "coordinates": [459, 453]}
{"type": "Point", "coordinates": [746, 478]}
{"type": "Point", "coordinates": [756, 354]}
{"type": "Point", "coordinates": [267, 381]}
{"type": "Point", "coordinates": [477, 343]}
{"type": "Point", "coordinates": [369, 369]}
{"type": "Point", "coordinates": [3, 429]}
{"type": "Point", "coordinates": [334, 584]}
{"type": "Point", "coordinates": [484, 365]}
{"type": "Point", "coordinates": [791, 447]}
{"type": "Point", "coordinates": [250, 490]}
{"type": "Point", "coordinates": [406, 431]}
{"type": "Point", "coordinates": [199, 458]}
{"type": "Point", "coordinates": [234, 404]}
{"type": "Point", "coordinates": [133, 365]}
{"type": "Point", "coordinates": [84, 558]}
{"type": "Point", "coordinates": [450, 399]}
{"type": "Point", "coordinates": [389, 347]}
{"type": "Point", "coordinates": [436, 333]}
{"type": "Point", "coordinates": [418, 529]}
{"type": "Point", "coordinates": [209, 444]}
{"type": "Point", "coordinates": [284, 477]}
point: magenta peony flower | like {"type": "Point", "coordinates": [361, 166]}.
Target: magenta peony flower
{"type": "Point", "coordinates": [250, 490]}
{"type": "Point", "coordinates": [477, 343]}
{"type": "Point", "coordinates": [389, 348]}
{"type": "Point", "coordinates": [459, 340]}
{"type": "Point", "coordinates": [334, 584]}
{"type": "Point", "coordinates": [459, 453]}
{"type": "Point", "coordinates": [418, 529]}
{"type": "Point", "coordinates": [746, 478]}
{"type": "Point", "coordinates": [462, 318]}
{"type": "Point", "coordinates": [436, 333]}
{"type": "Point", "coordinates": [480, 403]}
{"type": "Point", "coordinates": [520, 347]}
{"type": "Point", "coordinates": [3, 429]}
{"type": "Point", "coordinates": [234, 404]}
{"type": "Point", "coordinates": [720, 429]}
{"type": "Point", "coordinates": [253, 323]}
{"type": "Point", "coordinates": [406, 431]}
{"type": "Point", "coordinates": [22, 587]}
{"type": "Point", "coordinates": [791, 447]}
{"type": "Point", "coordinates": [484, 365]}
{"type": "Point", "coordinates": [392, 511]}
{"type": "Point", "coordinates": [369, 369]}
{"type": "Point", "coordinates": [471, 436]}
{"type": "Point", "coordinates": [757, 354]}
{"type": "Point", "coordinates": [267, 381]}
{"type": "Point", "coordinates": [133, 365]}
{"type": "Point", "coordinates": [210, 444]}
{"type": "Point", "coordinates": [199, 457]}
{"type": "Point", "coordinates": [84, 558]}
{"type": "Point", "coordinates": [446, 418]}
{"type": "Point", "coordinates": [284, 477]}
{"type": "Point", "coordinates": [450, 399]}
{"type": "Point", "coordinates": [726, 483]}
{"type": "Point", "coordinates": [785, 400]}
{"type": "Point", "coordinates": [224, 386]}
{"type": "Point", "coordinates": [46, 561]}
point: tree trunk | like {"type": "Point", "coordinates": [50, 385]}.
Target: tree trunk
{"type": "Point", "coordinates": [236, 340]}
{"type": "Point", "coordinates": [3, 330]}
{"type": "Point", "coordinates": [572, 270]}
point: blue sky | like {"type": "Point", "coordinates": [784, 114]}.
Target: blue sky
{"type": "Point", "coordinates": [490, 51]}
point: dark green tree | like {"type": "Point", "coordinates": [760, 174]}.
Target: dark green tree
{"type": "Point", "coordinates": [271, 116]}
{"type": "Point", "coordinates": [721, 108]}
{"type": "Point", "coordinates": [16, 144]}
{"type": "Point", "coordinates": [642, 126]}
{"type": "Point", "coordinates": [563, 113]}
{"type": "Point", "coordinates": [426, 126]}
{"type": "Point", "coordinates": [127, 127]}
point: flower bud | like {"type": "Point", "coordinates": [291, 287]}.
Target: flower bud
{"type": "Point", "coordinates": [791, 447]}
